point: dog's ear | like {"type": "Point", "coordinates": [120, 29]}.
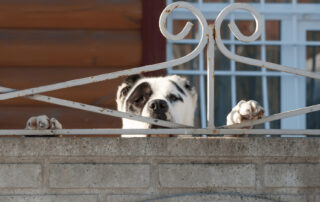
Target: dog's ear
{"type": "Point", "coordinates": [128, 83]}
{"type": "Point", "coordinates": [125, 87]}
{"type": "Point", "coordinates": [191, 89]}
{"type": "Point", "coordinates": [187, 85]}
{"type": "Point", "coordinates": [131, 80]}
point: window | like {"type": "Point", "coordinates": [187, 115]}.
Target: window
{"type": "Point", "coordinates": [291, 37]}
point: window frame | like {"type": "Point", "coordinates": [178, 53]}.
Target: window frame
{"type": "Point", "coordinates": [291, 44]}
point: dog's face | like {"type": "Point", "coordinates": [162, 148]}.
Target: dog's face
{"type": "Point", "coordinates": [168, 98]}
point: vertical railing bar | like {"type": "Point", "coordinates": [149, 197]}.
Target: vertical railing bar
{"type": "Point", "coordinates": [169, 46]}
{"type": "Point", "coordinates": [202, 83]}
{"type": "Point", "coordinates": [264, 77]}
{"type": "Point", "coordinates": [210, 79]}
{"type": "Point", "coordinates": [202, 89]}
{"type": "Point", "coordinates": [233, 68]}
{"type": "Point", "coordinates": [265, 98]}
{"type": "Point", "coordinates": [202, 96]}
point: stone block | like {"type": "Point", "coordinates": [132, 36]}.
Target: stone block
{"type": "Point", "coordinates": [99, 175]}
{"type": "Point", "coordinates": [292, 175]}
{"type": "Point", "coordinates": [20, 175]}
{"type": "Point", "coordinates": [207, 175]}
{"type": "Point", "coordinates": [49, 198]}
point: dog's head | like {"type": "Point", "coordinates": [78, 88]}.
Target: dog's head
{"type": "Point", "coordinates": [170, 98]}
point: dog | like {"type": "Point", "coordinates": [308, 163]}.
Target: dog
{"type": "Point", "coordinates": [170, 98]}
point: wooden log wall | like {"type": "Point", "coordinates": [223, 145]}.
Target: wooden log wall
{"type": "Point", "coordinates": [48, 41]}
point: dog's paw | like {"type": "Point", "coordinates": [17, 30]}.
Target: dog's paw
{"type": "Point", "coordinates": [245, 110]}
{"type": "Point", "coordinates": [42, 122]}
{"type": "Point", "coordinates": [38, 122]}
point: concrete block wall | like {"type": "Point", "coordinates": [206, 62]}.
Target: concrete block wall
{"type": "Point", "coordinates": [159, 169]}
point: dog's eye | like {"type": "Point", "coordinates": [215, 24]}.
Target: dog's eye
{"type": "Point", "coordinates": [188, 86]}
{"type": "Point", "coordinates": [173, 97]}
{"type": "Point", "coordinates": [138, 100]}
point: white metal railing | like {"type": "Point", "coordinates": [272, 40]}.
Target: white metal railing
{"type": "Point", "coordinates": [210, 35]}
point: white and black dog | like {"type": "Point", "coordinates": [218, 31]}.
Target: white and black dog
{"type": "Point", "coordinates": [169, 98]}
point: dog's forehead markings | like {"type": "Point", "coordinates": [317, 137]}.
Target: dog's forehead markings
{"type": "Point", "coordinates": [160, 86]}
{"type": "Point", "coordinates": [178, 87]}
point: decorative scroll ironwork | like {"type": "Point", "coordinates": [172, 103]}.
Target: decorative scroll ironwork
{"type": "Point", "coordinates": [210, 34]}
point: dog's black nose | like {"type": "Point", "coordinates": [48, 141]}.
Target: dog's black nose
{"type": "Point", "coordinates": [158, 106]}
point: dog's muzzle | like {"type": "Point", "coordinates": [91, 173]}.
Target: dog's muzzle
{"type": "Point", "coordinates": [158, 109]}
